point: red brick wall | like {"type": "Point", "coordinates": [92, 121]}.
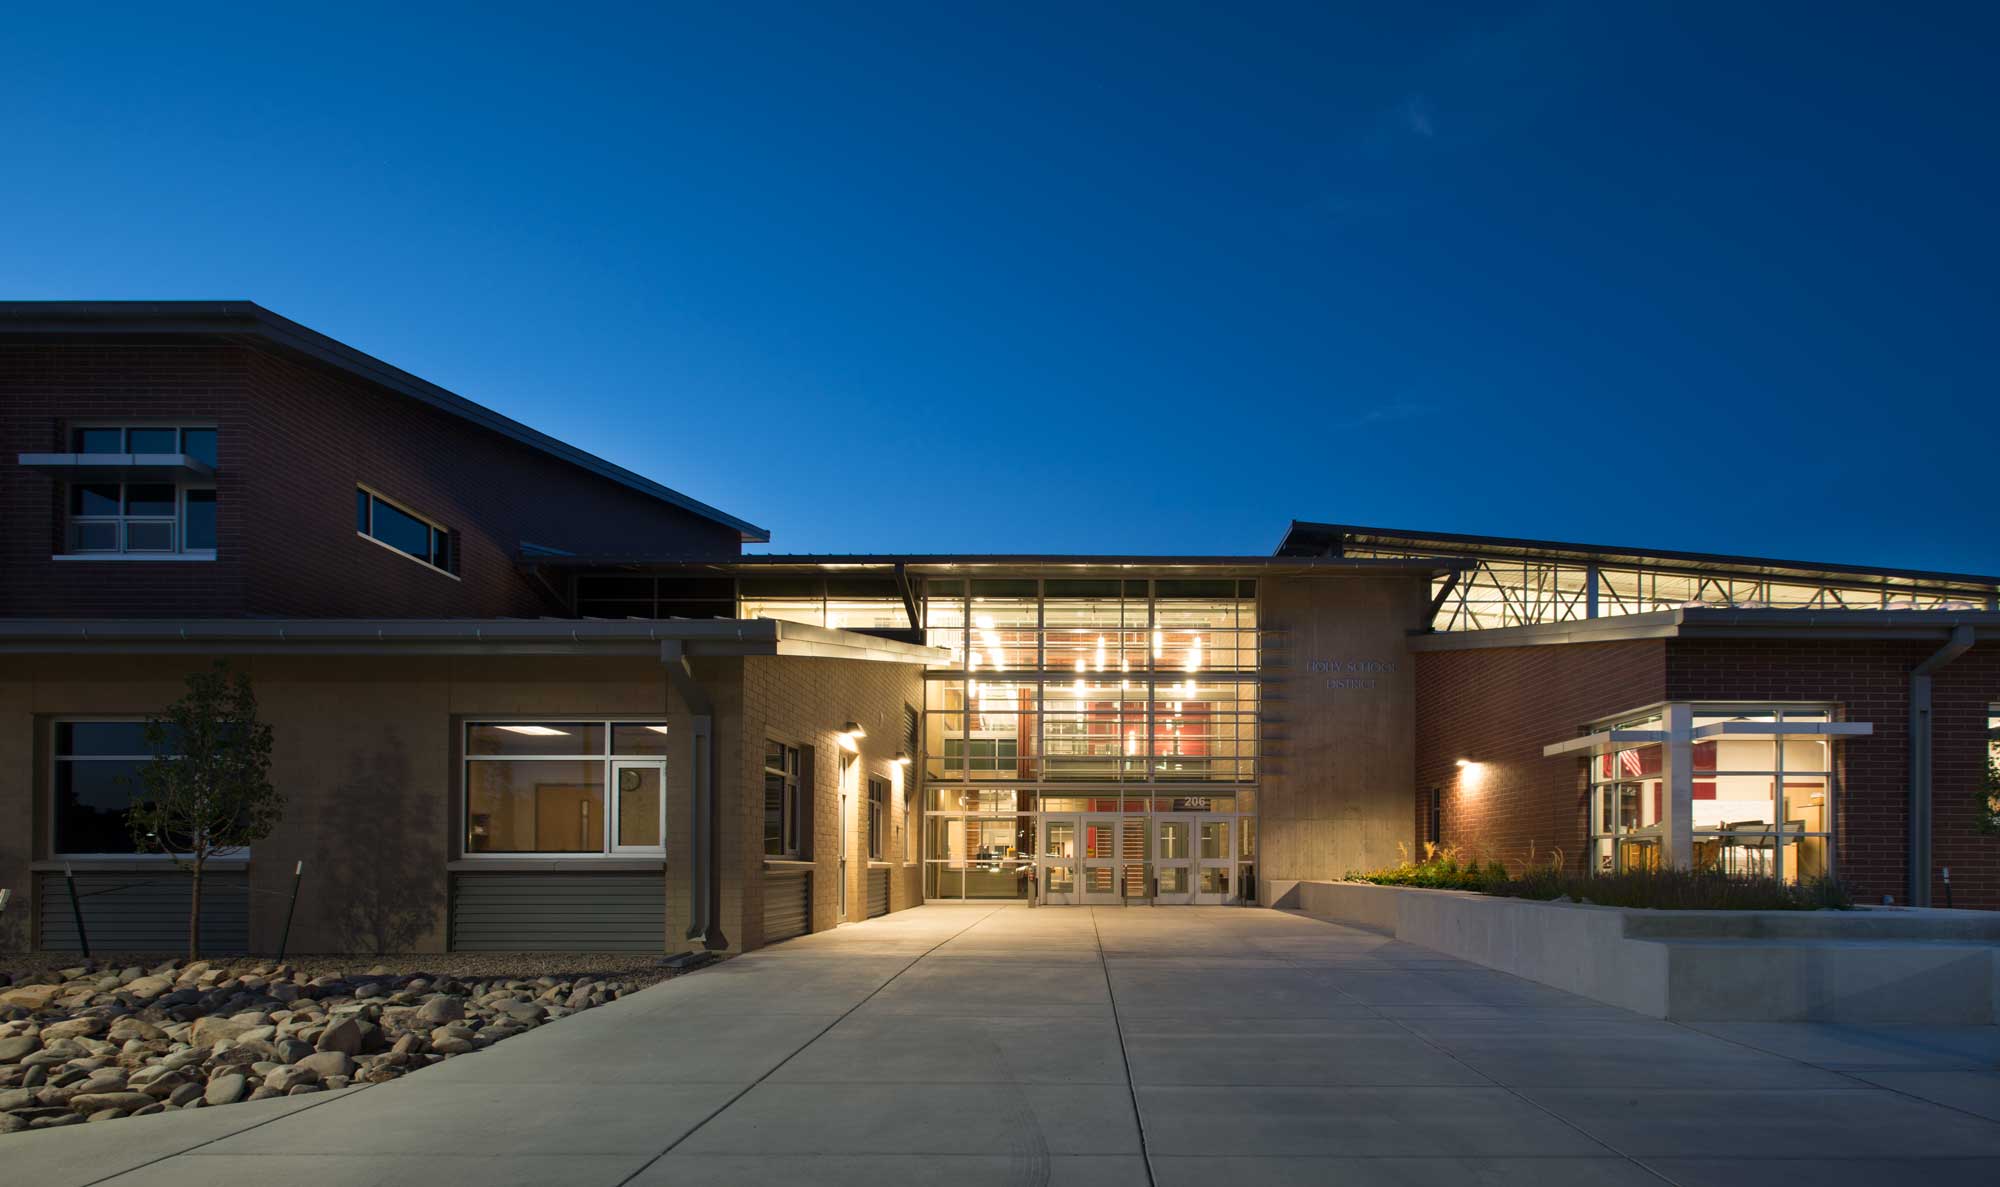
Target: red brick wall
{"type": "Point", "coordinates": [1499, 707]}
{"type": "Point", "coordinates": [294, 441]}
{"type": "Point", "coordinates": [1870, 680]}
{"type": "Point", "coordinates": [44, 389]}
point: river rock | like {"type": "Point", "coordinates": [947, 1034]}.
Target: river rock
{"type": "Point", "coordinates": [30, 997]}
{"type": "Point", "coordinates": [91, 1102]}
{"type": "Point", "coordinates": [227, 1088]}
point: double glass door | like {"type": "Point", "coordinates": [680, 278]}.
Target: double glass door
{"type": "Point", "coordinates": [1194, 859]}
{"type": "Point", "coordinates": [1113, 859]}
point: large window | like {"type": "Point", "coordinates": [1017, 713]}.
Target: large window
{"type": "Point", "coordinates": [878, 818]}
{"type": "Point", "coordinates": [151, 518]}
{"type": "Point", "coordinates": [405, 531]}
{"type": "Point", "coordinates": [782, 804]}
{"type": "Point", "coordinates": [1762, 794]}
{"type": "Point", "coordinates": [573, 787]}
{"type": "Point", "coordinates": [95, 780]}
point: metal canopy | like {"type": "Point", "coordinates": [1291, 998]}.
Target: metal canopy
{"type": "Point", "coordinates": [1612, 741]}
{"type": "Point", "coordinates": [119, 467]}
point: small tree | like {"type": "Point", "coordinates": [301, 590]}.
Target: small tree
{"type": "Point", "coordinates": [207, 791]}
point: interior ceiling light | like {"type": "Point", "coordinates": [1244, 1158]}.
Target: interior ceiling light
{"type": "Point", "coordinates": [540, 731]}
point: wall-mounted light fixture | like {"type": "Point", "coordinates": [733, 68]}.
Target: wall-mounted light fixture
{"type": "Point", "coordinates": [901, 759]}
{"type": "Point", "coordinates": [849, 735]}
{"type": "Point", "coordinates": [1464, 762]}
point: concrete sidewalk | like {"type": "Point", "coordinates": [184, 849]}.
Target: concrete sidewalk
{"type": "Point", "coordinates": [976, 1045]}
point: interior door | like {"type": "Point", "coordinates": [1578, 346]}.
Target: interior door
{"type": "Point", "coordinates": [1215, 860]}
{"type": "Point", "coordinates": [1057, 860]}
{"type": "Point", "coordinates": [1100, 860]}
{"type": "Point", "coordinates": [1173, 861]}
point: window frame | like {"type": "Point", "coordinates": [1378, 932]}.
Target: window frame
{"type": "Point", "coordinates": [791, 820]}
{"type": "Point", "coordinates": [55, 852]}
{"type": "Point", "coordinates": [878, 818]}
{"type": "Point", "coordinates": [121, 520]}
{"type": "Point", "coordinates": [441, 535]}
{"type": "Point", "coordinates": [462, 729]}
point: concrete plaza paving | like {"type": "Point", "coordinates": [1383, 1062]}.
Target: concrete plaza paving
{"type": "Point", "coordinates": [974, 1045]}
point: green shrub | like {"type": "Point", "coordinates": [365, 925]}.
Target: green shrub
{"type": "Point", "coordinates": [1669, 889]}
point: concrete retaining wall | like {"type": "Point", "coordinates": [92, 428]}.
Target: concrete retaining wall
{"type": "Point", "coordinates": [1935, 967]}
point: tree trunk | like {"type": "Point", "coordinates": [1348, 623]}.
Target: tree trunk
{"type": "Point", "coordinates": [194, 915]}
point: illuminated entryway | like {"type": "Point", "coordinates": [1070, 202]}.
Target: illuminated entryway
{"type": "Point", "coordinates": [1091, 741]}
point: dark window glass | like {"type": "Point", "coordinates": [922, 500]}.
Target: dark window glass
{"type": "Point", "coordinates": [91, 802]}
{"type": "Point", "coordinates": [97, 739]}
{"type": "Point", "coordinates": [998, 588]}
{"type": "Point", "coordinates": [154, 441]}
{"type": "Point", "coordinates": [149, 536]}
{"type": "Point", "coordinates": [200, 530]}
{"type": "Point", "coordinates": [93, 498]}
{"type": "Point", "coordinates": [96, 537]}
{"type": "Point", "coordinates": [199, 444]}
{"type": "Point", "coordinates": [402, 531]}
{"type": "Point", "coordinates": [100, 441]}
{"type": "Point", "coordinates": [149, 498]}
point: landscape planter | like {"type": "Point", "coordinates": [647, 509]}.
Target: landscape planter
{"type": "Point", "coordinates": [1868, 965]}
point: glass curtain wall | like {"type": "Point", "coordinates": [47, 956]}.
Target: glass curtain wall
{"type": "Point", "coordinates": [1761, 805]}
{"type": "Point", "coordinates": [1070, 714]}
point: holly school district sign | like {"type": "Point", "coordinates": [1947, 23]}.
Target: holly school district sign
{"type": "Point", "coordinates": [1358, 674]}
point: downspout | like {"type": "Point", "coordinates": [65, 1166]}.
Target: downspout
{"type": "Point", "coordinates": [1920, 762]}
{"type": "Point", "coordinates": [704, 840]}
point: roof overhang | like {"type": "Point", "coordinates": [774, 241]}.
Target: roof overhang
{"type": "Point", "coordinates": [999, 564]}
{"type": "Point", "coordinates": [246, 322]}
{"type": "Point", "coordinates": [1306, 538]}
{"type": "Point", "coordinates": [1702, 623]}
{"type": "Point", "coordinates": [696, 639]}
{"type": "Point", "coordinates": [119, 467]}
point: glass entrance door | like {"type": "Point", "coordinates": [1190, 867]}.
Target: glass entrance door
{"type": "Point", "coordinates": [1100, 860]}
{"type": "Point", "coordinates": [1057, 860]}
{"type": "Point", "coordinates": [1173, 863]}
{"type": "Point", "coordinates": [1215, 860]}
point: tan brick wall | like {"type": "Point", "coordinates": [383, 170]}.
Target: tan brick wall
{"type": "Point", "coordinates": [804, 702]}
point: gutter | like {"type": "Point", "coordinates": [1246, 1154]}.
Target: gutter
{"type": "Point", "coordinates": [1921, 761]}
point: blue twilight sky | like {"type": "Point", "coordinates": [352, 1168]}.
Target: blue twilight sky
{"type": "Point", "coordinates": [1076, 277]}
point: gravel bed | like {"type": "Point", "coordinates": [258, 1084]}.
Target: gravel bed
{"type": "Point", "coordinates": [83, 1042]}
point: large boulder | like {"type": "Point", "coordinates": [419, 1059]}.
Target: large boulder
{"type": "Point", "coordinates": [344, 1036]}
{"type": "Point", "coordinates": [128, 1028]}
{"type": "Point", "coordinates": [18, 1048]}
{"type": "Point", "coordinates": [92, 1102]}
{"type": "Point", "coordinates": [29, 997]}
{"type": "Point", "coordinates": [227, 1089]}
{"type": "Point", "coordinates": [214, 1028]}
{"type": "Point", "coordinates": [441, 1009]}
{"type": "Point", "coordinates": [328, 1063]}
{"type": "Point", "coordinates": [285, 1079]}
{"type": "Point", "coordinates": [87, 1027]}
{"type": "Point", "coordinates": [147, 987]}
